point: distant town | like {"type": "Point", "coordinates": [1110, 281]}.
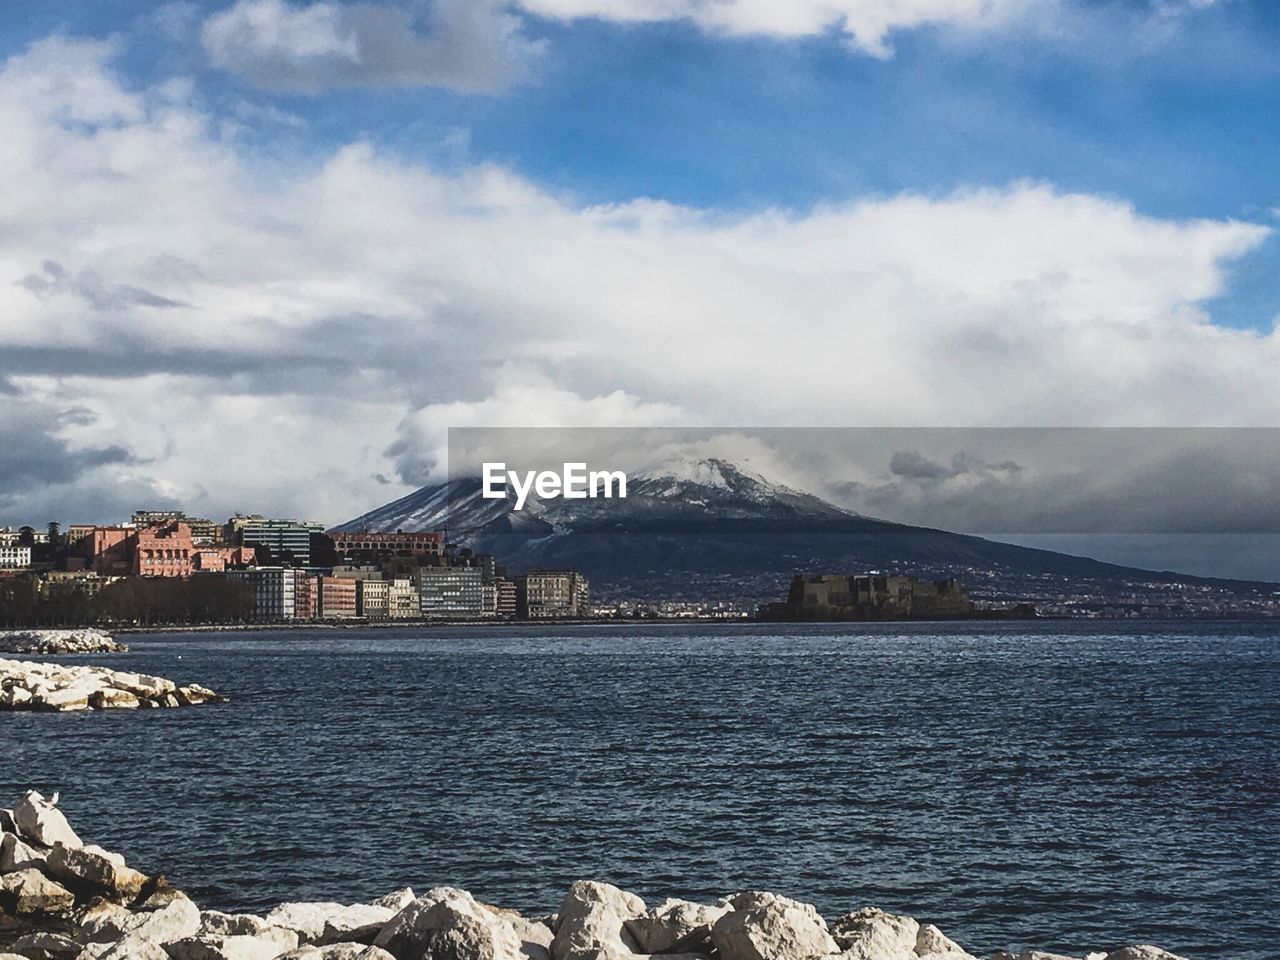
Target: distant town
{"type": "Point", "coordinates": [162, 567]}
{"type": "Point", "coordinates": [165, 567]}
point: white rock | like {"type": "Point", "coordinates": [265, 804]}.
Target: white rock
{"type": "Point", "coordinates": [39, 821]}
{"type": "Point", "coordinates": [765, 926]}
{"type": "Point", "coordinates": [212, 947]}
{"type": "Point", "coordinates": [58, 641]}
{"type": "Point", "coordinates": [591, 924]}
{"type": "Point", "coordinates": [932, 942]}
{"type": "Point", "coordinates": [338, 951]}
{"type": "Point", "coordinates": [396, 900]}
{"type": "Point", "coordinates": [45, 945]}
{"type": "Point", "coordinates": [328, 922]}
{"type": "Point", "coordinates": [1142, 952]}
{"type": "Point", "coordinates": [216, 923]}
{"type": "Point", "coordinates": [676, 925]}
{"type": "Point", "coordinates": [871, 934]}
{"type": "Point", "coordinates": [449, 924]}
{"type": "Point", "coordinates": [127, 949]}
{"type": "Point", "coordinates": [16, 855]}
{"type": "Point", "coordinates": [95, 869]}
{"type": "Point", "coordinates": [29, 891]}
{"type": "Point", "coordinates": [178, 920]}
{"type": "Point", "coordinates": [92, 920]}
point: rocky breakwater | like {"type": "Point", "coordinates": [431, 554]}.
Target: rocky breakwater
{"type": "Point", "coordinates": [26, 685]}
{"type": "Point", "coordinates": [53, 642]}
{"type": "Point", "coordinates": [63, 900]}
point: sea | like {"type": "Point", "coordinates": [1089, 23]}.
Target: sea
{"type": "Point", "coordinates": [1059, 785]}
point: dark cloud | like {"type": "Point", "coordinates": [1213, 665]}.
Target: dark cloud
{"type": "Point", "coordinates": [98, 293]}
{"type": "Point", "coordinates": [914, 465]}
{"type": "Point", "coordinates": [1064, 481]}
{"type": "Point", "coordinates": [35, 457]}
{"type": "Point", "coordinates": [474, 46]}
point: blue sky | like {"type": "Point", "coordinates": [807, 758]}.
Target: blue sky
{"type": "Point", "coordinates": [1025, 212]}
{"type": "Point", "coordinates": [1179, 119]}
{"type": "Point", "coordinates": [1177, 115]}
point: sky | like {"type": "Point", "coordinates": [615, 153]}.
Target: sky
{"type": "Point", "coordinates": [259, 255]}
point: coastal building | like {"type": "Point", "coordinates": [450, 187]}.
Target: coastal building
{"type": "Point", "coordinates": [368, 547]}
{"type": "Point", "coordinates": [337, 598]}
{"type": "Point", "coordinates": [274, 591]}
{"type": "Point", "coordinates": [163, 550]}
{"type": "Point", "coordinates": [306, 596]}
{"type": "Point", "coordinates": [403, 600]}
{"type": "Point", "coordinates": [14, 557]}
{"type": "Point", "coordinates": [202, 531]}
{"type": "Point", "coordinates": [373, 598]}
{"type": "Point", "coordinates": [507, 598]}
{"type": "Point", "coordinates": [215, 558]}
{"type": "Point", "coordinates": [875, 597]}
{"type": "Point", "coordinates": [284, 541]}
{"type": "Point", "coordinates": [552, 594]}
{"type": "Point", "coordinates": [352, 572]}
{"type": "Point", "coordinates": [448, 592]}
{"type": "Point", "coordinates": [106, 551]}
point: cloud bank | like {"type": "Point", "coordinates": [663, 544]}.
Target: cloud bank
{"type": "Point", "coordinates": [867, 23]}
{"type": "Point", "coordinates": [473, 46]}
{"type": "Point", "coordinates": [240, 338]}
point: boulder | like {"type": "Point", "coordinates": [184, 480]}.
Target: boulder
{"type": "Point", "coordinates": [236, 947]}
{"type": "Point", "coordinates": [357, 923]}
{"type": "Point", "coordinates": [16, 855]}
{"type": "Point", "coordinates": [396, 900]}
{"type": "Point", "coordinates": [871, 934]}
{"type": "Point", "coordinates": [448, 924]}
{"type": "Point", "coordinates": [216, 923]}
{"type": "Point", "coordinates": [95, 870]}
{"type": "Point", "coordinates": [676, 925]}
{"type": "Point", "coordinates": [592, 923]}
{"type": "Point", "coordinates": [27, 892]}
{"type": "Point", "coordinates": [73, 696]}
{"type": "Point", "coordinates": [40, 822]}
{"type": "Point", "coordinates": [327, 922]}
{"type": "Point", "coordinates": [15, 697]}
{"type": "Point", "coordinates": [158, 893]}
{"type": "Point", "coordinates": [127, 949]}
{"type": "Point", "coordinates": [99, 913]}
{"type": "Point", "coordinates": [1030, 955]}
{"type": "Point", "coordinates": [47, 946]}
{"type": "Point", "coordinates": [535, 936]}
{"type": "Point", "coordinates": [1142, 952]}
{"type": "Point", "coordinates": [932, 942]}
{"type": "Point", "coordinates": [109, 698]}
{"type": "Point", "coordinates": [765, 926]}
{"type": "Point", "coordinates": [176, 921]}
{"type": "Point", "coordinates": [140, 685]}
{"type": "Point", "coordinates": [338, 951]}
{"type": "Point", "coordinates": [194, 694]}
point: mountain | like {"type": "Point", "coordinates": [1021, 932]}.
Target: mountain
{"type": "Point", "coordinates": [690, 527]}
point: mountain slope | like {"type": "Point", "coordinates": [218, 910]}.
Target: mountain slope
{"type": "Point", "coordinates": [687, 527]}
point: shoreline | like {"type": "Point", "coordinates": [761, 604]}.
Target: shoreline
{"type": "Point", "coordinates": [629, 623]}
{"type": "Point", "coordinates": [63, 898]}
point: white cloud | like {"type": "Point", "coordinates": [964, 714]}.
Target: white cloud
{"type": "Point", "coordinates": [467, 45]}
{"type": "Point", "coordinates": [233, 331]}
{"type": "Point", "coordinates": [867, 23]}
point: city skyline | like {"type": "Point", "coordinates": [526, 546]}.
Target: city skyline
{"type": "Point", "coordinates": [267, 252]}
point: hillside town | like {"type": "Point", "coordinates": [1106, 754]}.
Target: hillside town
{"type": "Point", "coordinates": [166, 567]}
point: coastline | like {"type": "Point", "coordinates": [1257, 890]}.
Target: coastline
{"type": "Point", "coordinates": [64, 899]}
